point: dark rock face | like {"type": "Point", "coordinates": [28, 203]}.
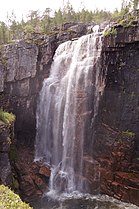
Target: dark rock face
{"type": "Point", "coordinates": [33, 177]}
{"type": "Point", "coordinates": [116, 143]}
{"type": "Point", "coordinates": [21, 85]}
{"type": "Point", "coordinates": [5, 142]}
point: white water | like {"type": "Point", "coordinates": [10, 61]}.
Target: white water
{"type": "Point", "coordinates": [67, 109]}
{"type": "Point", "coordinates": [82, 201]}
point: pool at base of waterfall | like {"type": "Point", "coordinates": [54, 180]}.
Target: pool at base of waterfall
{"type": "Point", "coordinates": [81, 201]}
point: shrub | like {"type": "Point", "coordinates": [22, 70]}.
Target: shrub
{"type": "Point", "coordinates": [128, 133]}
{"type": "Point", "coordinates": [111, 31]}
{"type": "Point", "coordinates": [6, 117]}
{"type": "Point", "coordinates": [10, 200]}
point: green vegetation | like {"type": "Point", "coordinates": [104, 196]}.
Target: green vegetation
{"type": "Point", "coordinates": [10, 200]}
{"type": "Point", "coordinates": [128, 134]}
{"type": "Point", "coordinates": [6, 117]}
{"type": "Point", "coordinates": [45, 23]}
{"type": "Point", "coordinates": [3, 60]}
{"type": "Point", "coordinates": [15, 183]}
{"type": "Point", "coordinates": [112, 31]}
{"type": "Point", "coordinates": [13, 153]}
{"type": "Point", "coordinates": [135, 3]}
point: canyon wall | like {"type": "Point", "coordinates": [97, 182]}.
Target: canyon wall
{"type": "Point", "coordinates": [20, 84]}
{"type": "Point", "coordinates": [24, 65]}
{"type": "Point", "coordinates": [116, 141]}
{"type": "Point", "coordinates": [6, 138]}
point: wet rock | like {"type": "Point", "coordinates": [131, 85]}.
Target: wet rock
{"type": "Point", "coordinates": [116, 142]}
{"type": "Point", "coordinates": [33, 177]}
{"type": "Point", "coordinates": [44, 171]}
{"type": "Point", "coordinates": [5, 142]}
{"type": "Point", "coordinates": [2, 76]}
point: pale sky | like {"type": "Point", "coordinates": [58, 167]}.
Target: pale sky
{"type": "Point", "coordinates": [21, 7]}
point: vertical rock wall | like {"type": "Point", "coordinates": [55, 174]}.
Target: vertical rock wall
{"type": "Point", "coordinates": [6, 137]}
{"type": "Point", "coordinates": [116, 142]}
{"type": "Point", "coordinates": [23, 68]}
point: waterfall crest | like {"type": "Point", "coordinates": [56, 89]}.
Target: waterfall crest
{"type": "Point", "coordinates": [68, 105]}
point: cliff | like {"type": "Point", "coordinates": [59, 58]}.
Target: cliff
{"type": "Point", "coordinates": [23, 67]}
{"type": "Point", "coordinates": [6, 137]}
{"type": "Point", "coordinates": [21, 81]}
{"type": "Point", "coordinates": [116, 142]}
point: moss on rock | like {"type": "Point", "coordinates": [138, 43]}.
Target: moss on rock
{"type": "Point", "coordinates": [6, 117]}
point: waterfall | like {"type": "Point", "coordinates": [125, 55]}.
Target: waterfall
{"type": "Point", "coordinates": [67, 108]}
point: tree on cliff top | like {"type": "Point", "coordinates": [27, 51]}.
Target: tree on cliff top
{"type": "Point", "coordinates": [46, 23]}
{"type": "Point", "coordinates": [135, 4]}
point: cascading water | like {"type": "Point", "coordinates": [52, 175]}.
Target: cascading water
{"type": "Point", "coordinates": [66, 111]}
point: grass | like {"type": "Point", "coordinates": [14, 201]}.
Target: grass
{"type": "Point", "coordinates": [10, 200]}
{"type": "Point", "coordinates": [6, 117]}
